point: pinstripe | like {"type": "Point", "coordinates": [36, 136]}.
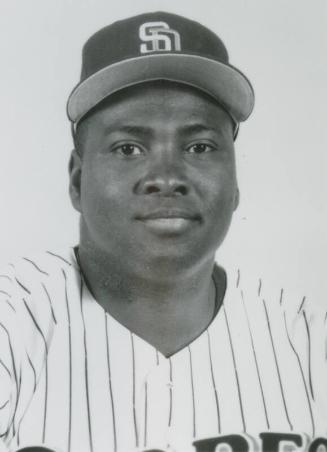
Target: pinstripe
{"type": "Point", "coordinates": [214, 382]}
{"type": "Point", "coordinates": [11, 354]}
{"type": "Point", "coordinates": [170, 392]}
{"type": "Point", "coordinates": [277, 367]}
{"type": "Point", "coordinates": [86, 372]}
{"type": "Point", "coordinates": [236, 371]}
{"type": "Point", "coordinates": [33, 369]}
{"type": "Point", "coordinates": [50, 302]}
{"type": "Point", "coordinates": [193, 395]}
{"type": "Point", "coordinates": [11, 306]}
{"type": "Point", "coordinates": [36, 326]}
{"type": "Point", "coordinates": [17, 400]}
{"type": "Point", "coordinates": [302, 375]}
{"type": "Point", "coordinates": [110, 385]}
{"type": "Point", "coordinates": [46, 367]}
{"type": "Point", "coordinates": [18, 430]}
{"type": "Point", "coordinates": [4, 405]}
{"type": "Point", "coordinates": [146, 414]}
{"type": "Point", "coordinates": [22, 286]}
{"type": "Point", "coordinates": [238, 278]}
{"type": "Point", "coordinates": [20, 382]}
{"type": "Point", "coordinates": [15, 374]}
{"type": "Point", "coordinates": [10, 432]}
{"type": "Point", "coordinates": [6, 277]}
{"type": "Point", "coordinates": [70, 360]}
{"type": "Point", "coordinates": [281, 298]}
{"type": "Point", "coordinates": [5, 293]}
{"type": "Point", "coordinates": [59, 257]}
{"type": "Point", "coordinates": [301, 305]}
{"type": "Point", "coordinates": [35, 266]}
{"type": "Point", "coordinates": [260, 287]}
{"type": "Point", "coordinates": [256, 362]}
{"type": "Point", "coordinates": [134, 392]}
{"type": "Point", "coordinates": [157, 357]}
{"type": "Point", "coordinates": [5, 367]}
{"type": "Point", "coordinates": [309, 353]}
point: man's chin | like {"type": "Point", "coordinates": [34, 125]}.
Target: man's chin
{"type": "Point", "coordinates": [174, 252]}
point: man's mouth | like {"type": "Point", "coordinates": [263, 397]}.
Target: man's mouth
{"type": "Point", "coordinates": [169, 214]}
{"type": "Point", "coordinates": [169, 221]}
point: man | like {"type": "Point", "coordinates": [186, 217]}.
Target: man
{"type": "Point", "coordinates": [136, 339]}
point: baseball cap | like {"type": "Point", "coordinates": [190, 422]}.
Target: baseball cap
{"type": "Point", "coordinates": [158, 46]}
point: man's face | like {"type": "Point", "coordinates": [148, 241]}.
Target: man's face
{"type": "Point", "coordinates": [156, 180]}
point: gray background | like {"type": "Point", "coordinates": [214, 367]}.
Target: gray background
{"type": "Point", "coordinates": [280, 226]}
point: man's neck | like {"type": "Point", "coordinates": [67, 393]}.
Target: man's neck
{"type": "Point", "coordinates": [165, 307]}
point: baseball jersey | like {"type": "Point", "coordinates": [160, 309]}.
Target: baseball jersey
{"type": "Point", "coordinates": [76, 380]}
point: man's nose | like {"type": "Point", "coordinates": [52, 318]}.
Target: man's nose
{"type": "Point", "coordinates": [164, 186]}
{"type": "Point", "coordinates": [164, 179]}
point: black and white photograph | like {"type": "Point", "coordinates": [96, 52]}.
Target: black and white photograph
{"type": "Point", "coordinates": [163, 243]}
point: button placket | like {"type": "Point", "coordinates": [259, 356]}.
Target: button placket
{"type": "Point", "coordinates": [155, 389]}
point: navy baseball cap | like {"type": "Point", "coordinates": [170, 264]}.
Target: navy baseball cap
{"type": "Point", "coordinates": [159, 46]}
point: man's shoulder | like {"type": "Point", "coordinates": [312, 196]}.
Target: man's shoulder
{"type": "Point", "coordinates": [261, 298]}
{"type": "Point", "coordinates": [37, 266]}
{"type": "Point", "coordinates": [252, 282]}
{"type": "Point", "coordinates": [32, 283]}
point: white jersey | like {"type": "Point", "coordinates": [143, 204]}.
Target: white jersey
{"type": "Point", "coordinates": [75, 379]}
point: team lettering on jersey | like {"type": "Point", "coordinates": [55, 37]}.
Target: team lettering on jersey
{"type": "Point", "coordinates": [268, 442]}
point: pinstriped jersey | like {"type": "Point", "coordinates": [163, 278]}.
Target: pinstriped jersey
{"type": "Point", "coordinates": [75, 379]}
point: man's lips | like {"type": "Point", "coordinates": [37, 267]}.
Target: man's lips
{"type": "Point", "coordinates": [169, 214]}
{"type": "Point", "coordinates": [169, 222]}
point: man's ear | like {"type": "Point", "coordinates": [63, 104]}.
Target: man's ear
{"type": "Point", "coordinates": [236, 198]}
{"type": "Point", "coordinates": [75, 173]}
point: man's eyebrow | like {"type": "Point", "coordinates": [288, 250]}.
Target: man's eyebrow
{"type": "Point", "coordinates": [134, 129]}
{"type": "Point", "coordinates": [197, 128]}
{"type": "Point", "coordinates": [131, 129]}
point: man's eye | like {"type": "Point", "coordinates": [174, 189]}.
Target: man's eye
{"type": "Point", "coordinates": [199, 148]}
{"type": "Point", "coordinates": [128, 150]}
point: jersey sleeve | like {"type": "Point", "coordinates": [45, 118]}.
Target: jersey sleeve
{"type": "Point", "coordinates": [22, 352]}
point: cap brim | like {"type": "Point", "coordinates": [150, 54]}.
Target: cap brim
{"type": "Point", "coordinates": [222, 81]}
